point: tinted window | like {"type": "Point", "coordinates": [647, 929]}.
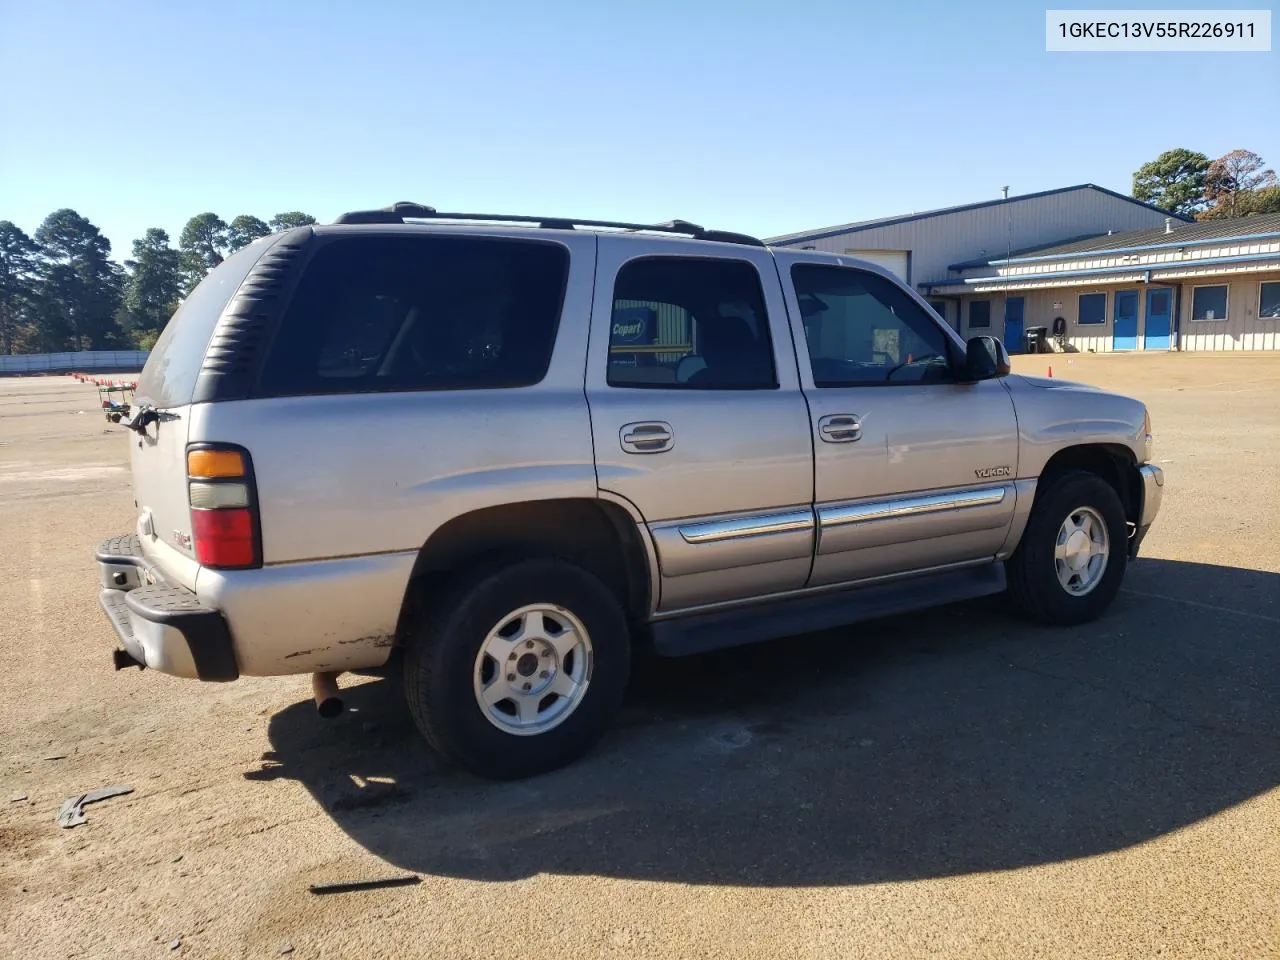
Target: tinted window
{"type": "Point", "coordinates": [980, 313]}
{"type": "Point", "coordinates": [1209, 303]}
{"type": "Point", "coordinates": [862, 328]}
{"type": "Point", "coordinates": [1093, 308]}
{"type": "Point", "coordinates": [1269, 300]}
{"type": "Point", "coordinates": [419, 313]}
{"type": "Point", "coordinates": [169, 377]}
{"type": "Point", "coordinates": [684, 323]}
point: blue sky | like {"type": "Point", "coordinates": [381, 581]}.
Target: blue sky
{"type": "Point", "coordinates": [754, 116]}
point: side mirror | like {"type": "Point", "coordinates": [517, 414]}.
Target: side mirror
{"type": "Point", "coordinates": [985, 358]}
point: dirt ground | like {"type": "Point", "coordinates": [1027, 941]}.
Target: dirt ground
{"type": "Point", "coordinates": [950, 784]}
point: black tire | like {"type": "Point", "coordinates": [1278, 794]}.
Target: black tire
{"type": "Point", "coordinates": [440, 664]}
{"type": "Point", "coordinates": [1034, 588]}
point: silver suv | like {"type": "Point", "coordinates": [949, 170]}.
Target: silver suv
{"type": "Point", "coordinates": [513, 448]}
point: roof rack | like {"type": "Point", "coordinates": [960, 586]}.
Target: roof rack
{"type": "Point", "coordinates": [401, 212]}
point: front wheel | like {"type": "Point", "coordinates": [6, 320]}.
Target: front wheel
{"type": "Point", "coordinates": [518, 670]}
{"type": "Point", "coordinates": [1069, 565]}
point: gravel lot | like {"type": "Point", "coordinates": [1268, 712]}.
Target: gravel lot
{"type": "Point", "coordinates": [953, 783]}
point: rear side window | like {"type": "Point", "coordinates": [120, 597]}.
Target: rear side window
{"type": "Point", "coordinates": [692, 324]}
{"type": "Point", "coordinates": [169, 377]}
{"type": "Point", "coordinates": [378, 314]}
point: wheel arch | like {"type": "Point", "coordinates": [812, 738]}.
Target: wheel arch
{"type": "Point", "coordinates": [1113, 462]}
{"type": "Point", "coordinates": [598, 534]}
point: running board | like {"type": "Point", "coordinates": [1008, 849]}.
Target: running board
{"type": "Point", "coordinates": [752, 623]}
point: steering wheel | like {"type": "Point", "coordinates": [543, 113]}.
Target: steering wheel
{"type": "Point", "coordinates": [912, 362]}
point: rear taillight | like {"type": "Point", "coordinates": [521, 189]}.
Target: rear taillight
{"type": "Point", "coordinates": [224, 506]}
{"type": "Point", "coordinates": [224, 538]}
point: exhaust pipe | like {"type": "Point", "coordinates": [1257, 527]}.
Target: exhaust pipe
{"type": "Point", "coordinates": [324, 687]}
{"type": "Point", "coordinates": [124, 659]}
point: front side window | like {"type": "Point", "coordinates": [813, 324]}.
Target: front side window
{"type": "Point", "coordinates": [1269, 301]}
{"type": "Point", "coordinates": [862, 328]}
{"type": "Point", "coordinates": [379, 314]}
{"type": "Point", "coordinates": [1209, 303]}
{"type": "Point", "coordinates": [1093, 308]}
{"type": "Point", "coordinates": [689, 323]}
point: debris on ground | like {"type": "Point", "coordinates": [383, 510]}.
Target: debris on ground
{"type": "Point", "coordinates": [406, 880]}
{"type": "Point", "coordinates": [175, 943]}
{"type": "Point", "coordinates": [72, 812]}
{"type": "Point", "coordinates": [287, 947]}
{"type": "Point", "coordinates": [17, 798]}
{"type": "Point", "coordinates": [56, 756]}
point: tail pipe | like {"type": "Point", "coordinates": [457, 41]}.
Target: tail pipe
{"type": "Point", "coordinates": [123, 659]}
{"type": "Point", "coordinates": [324, 687]}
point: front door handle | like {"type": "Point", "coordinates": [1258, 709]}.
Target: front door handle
{"type": "Point", "coordinates": [840, 428]}
{"type": "Point", "coordinates": [649, 436]}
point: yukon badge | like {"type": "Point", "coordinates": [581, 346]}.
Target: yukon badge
{"type": "Point", "coordinates": [989, 473]}
{"type": "Point", "coordinates": [182, 540]}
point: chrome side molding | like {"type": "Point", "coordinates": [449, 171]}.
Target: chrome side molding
{"type": "Point", "coordinates": [899, 507]}
{"type": "Point", "coordinates": [738, 528]}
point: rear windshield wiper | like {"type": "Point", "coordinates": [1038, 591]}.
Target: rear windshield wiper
{"type": "Point", "coordinates": [147, 416]}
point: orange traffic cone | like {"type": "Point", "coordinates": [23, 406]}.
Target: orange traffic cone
{"type": "Point", "coordinates": [1051, 373]}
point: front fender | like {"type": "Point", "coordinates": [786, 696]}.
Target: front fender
{"type": "Point", "coordinates": [1054, 415]}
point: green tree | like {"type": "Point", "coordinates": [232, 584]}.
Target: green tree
{"type": "Point", "coordinates": [244, 230]}
{"type": "Point", "coordinates": [203, 245]}
{"type": "Point", "coordinates": [1175, 181]}
{"type": "Point", "coordinates": [291, 219]}
{"type": "Point", "coordinates": [17, 287]}
{"type": "Point", "coordinates": [78, 287]}
{"type": "Point", "coordinates": [155, 283]}
{"type": "Point", "coordinates": [1232, 183]}
{"type": "Point", "coordinates": [1266, 200]}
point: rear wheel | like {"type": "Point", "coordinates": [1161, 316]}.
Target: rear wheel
{"type": "Point", "coordinates": [519, 669]}
{"type": "Point", "coordinates": [1072, 557]}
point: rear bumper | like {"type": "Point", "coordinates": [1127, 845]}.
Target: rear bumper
{"type": "Point", "coordinates": [162, 625]}
{"type": "Point", "coordinates": [1152, 493]}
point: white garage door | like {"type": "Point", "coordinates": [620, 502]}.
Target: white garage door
{"type": "Point", "coordinates": [895, 261]}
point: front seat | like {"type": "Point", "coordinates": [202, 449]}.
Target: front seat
{"type": "Point", "coordinates": [734, 357]}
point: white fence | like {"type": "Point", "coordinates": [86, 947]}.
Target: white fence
{"type": "Point", "coordinates": [129, 361]}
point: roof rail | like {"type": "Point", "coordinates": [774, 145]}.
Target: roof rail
{"type": "Point", "coordinates": [400, 212]}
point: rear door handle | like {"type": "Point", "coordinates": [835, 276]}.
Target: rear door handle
{"type": "Point", "coordinates": [840, 428]}
{"type": "Point", "coordinates": [648, 436]}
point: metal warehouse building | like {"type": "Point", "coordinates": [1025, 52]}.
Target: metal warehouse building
{"type": "Point", "coordinates": [1089, 268]}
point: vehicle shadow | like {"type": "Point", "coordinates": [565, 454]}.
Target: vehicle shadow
{"type": "Point", "coordinates": [952, 741]}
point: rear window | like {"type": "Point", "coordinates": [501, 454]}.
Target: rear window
{"type": "Point", "coordinates": [689, 323]}
{"type": "Point", "coordinates": [168, 378]}
{"type": "Point", "coordinates": [378, 314]}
